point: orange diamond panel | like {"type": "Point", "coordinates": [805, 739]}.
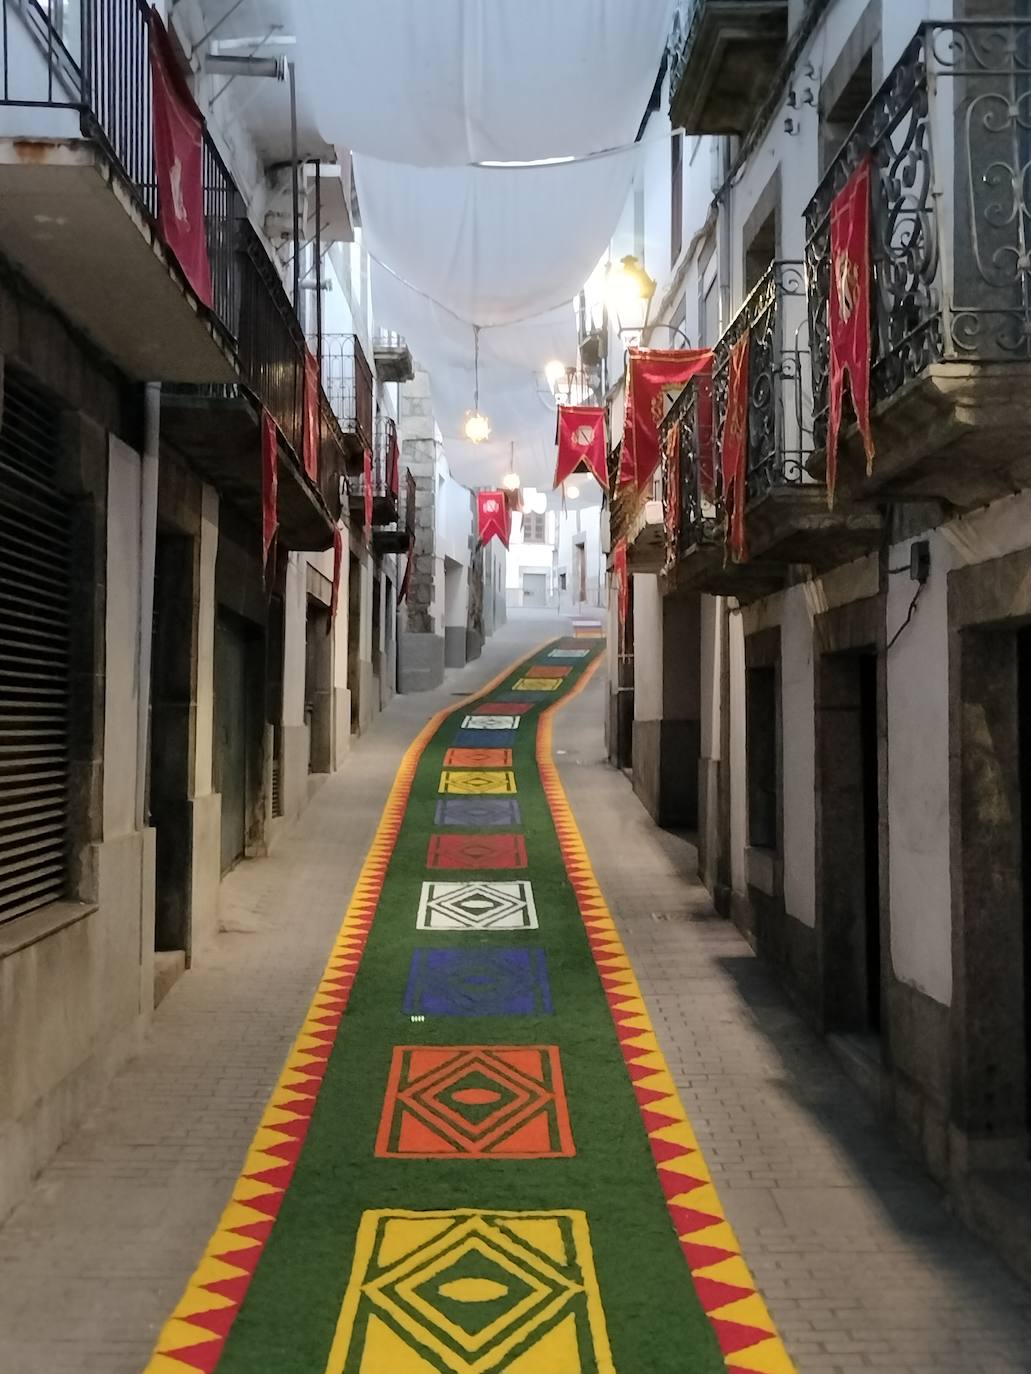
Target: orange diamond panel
{"type": "Point", "coordinates": [478, 758]}
{"type": "Point", "coordinates": [546, 670]}
{"type": "Point", "coordinates": [475, 1102]}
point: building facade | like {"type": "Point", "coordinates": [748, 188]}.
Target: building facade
{"type": "Point", "coordinates": [169, 700]}
{"type": "Point", "coordinates": [842, 712]}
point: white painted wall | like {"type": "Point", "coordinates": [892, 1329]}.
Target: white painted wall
{"type": "Point", "coordinates": [648, 697]}
{"type": "Point", "coordinates": [121, 634]}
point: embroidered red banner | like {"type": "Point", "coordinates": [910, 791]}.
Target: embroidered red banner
{"type": "Point", "coordinates": [850, 339]}
{"type": "Point", "coordinates": [734, 452]}
{"type": "Point", "coordinates": [338, 560]}
{"type": "Point", "coordinates": [622, 576]}
{"type": "Point", "coordinates": [368, 488]}
{"type": "Point", "coordinates": [650, 371]}
{"type": "Point", "coordinates": [406, 580]}
{"type": "Point", "coordinates": [269, 485]}
{"type": "Point", "coordinates": [393, 463]}
{"type": "Point", "coordinates": [671, 493]}
{"type": "Point", "coordinates": [492, 516]}
{"type": "Point", "coordinates": [178, 161]}
{"type": "Point", "coordinates": [581, 443]}
{"type": "Point", "coordinates": [311, 415]}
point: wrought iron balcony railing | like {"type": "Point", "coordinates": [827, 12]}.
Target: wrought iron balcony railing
{"type": "Point", "coordinates": [93, 61]}
{"type": "Point", "coordinates": [688, 464]}
{"type": "Point", "coordinates": [348, 381]}
{"type": "Point", "coordinates": [948, 135]}
{"type": "Point", "coordinates": [779, 427]}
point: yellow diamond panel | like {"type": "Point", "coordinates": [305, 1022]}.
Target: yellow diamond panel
{"type": "Point", "coordinates": [478, 782]}
{"type": "Point", "coordinates": [472, 1292]}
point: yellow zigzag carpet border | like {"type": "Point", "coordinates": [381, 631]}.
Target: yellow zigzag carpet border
{"type": "Point", "coordinates": [194, 1336]}
{"type": "Point", "coordinates": [726, 1289]}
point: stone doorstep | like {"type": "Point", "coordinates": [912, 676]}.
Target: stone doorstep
{"type": "Point", "coordinates": [997, 1206]}
{"type": "Point", "coordinates": [169, 967]}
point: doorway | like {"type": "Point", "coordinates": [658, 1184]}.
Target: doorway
{"type": "Point", "coordinates": [535, 589]}
{"type": "Point", "coordinates": [172, 694]}
{"type": "Point", "coordinates": [849, 809]}
{"type": "Point", "coordinates": [318, 687]}
{"type": "Point", "coordinates": [354, 639]}
{"type": "Point", "coordinates": [1024, 755]}
{"type": "Point", "coordinates": [232, 733]}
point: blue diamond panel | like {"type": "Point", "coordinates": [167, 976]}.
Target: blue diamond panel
{"type": "Point", "coordinates": [485, 739]}
{"type": "Point", "coordinates": [486, 982]}
{"type": "Point", "coordinates": [483, 813]}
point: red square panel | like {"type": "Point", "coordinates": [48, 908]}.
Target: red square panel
{"type": "Point", "coordinates": [546, 670]}
{"type": "Point", "coordinates": [478, 758]}
{"type": "Point", "coordinates": [476, 851]}
{"type": "Point", "coordinates": [502, 708]}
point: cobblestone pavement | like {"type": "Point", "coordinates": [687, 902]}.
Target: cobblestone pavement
{"type": "Point", "coordinates": [861, 1263]}
{"type": "Point", "coordinates": [862, 1266]}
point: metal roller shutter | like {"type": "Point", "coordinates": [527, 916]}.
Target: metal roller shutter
{"type": "Point", "coordinates": [34, 647]}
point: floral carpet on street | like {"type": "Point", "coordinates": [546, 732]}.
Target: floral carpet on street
{"type": "Point", "coordinates": [475, 1160]}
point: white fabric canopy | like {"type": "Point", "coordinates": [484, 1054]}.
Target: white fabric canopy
{"type": "Point", "coordinates": [441, 83]}
{"type": "Point", "coordinates": [493, 246]}
{"type": "Point", "coordinates": [422, 90]}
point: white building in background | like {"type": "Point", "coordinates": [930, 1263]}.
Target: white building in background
{"type": "Point", "coordinates": [555, 557]}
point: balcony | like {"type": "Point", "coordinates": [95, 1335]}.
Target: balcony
{"type": "Point", "coordinates": [724, 58]}
{"type": "Point", "coordinates": [386, 473]}
{"type": "Point", "coordinates": [217, 428]}
{"type": "Point", "coordinates": [348, 383]}
{"type": "Point", "coordinates": [787, 518]}
{"type": "Point", "coordinates": [393, 358]}
{"type": "Point", "coordinates": [78, 192]}
{"type": "Point", "coordinates": [695, 555]}
{"type": "Point", "coordinates": [950, 214]}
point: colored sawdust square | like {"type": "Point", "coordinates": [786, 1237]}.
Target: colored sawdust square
{"type": "Point", "coordinates": [478, 812]}
{"type": "Point", "coordinates": [472, 1292]}
{"type": "Point", "coordinates": [478, 982]}
{"type": "Point", "coordinates": [547, 670]}
{"type": "Point", "coordinates": [569, 653]}
{"type": "Point", "coordinates": [505, 708]}
{"type": "Point", "coordinates": [500, 721]}
{"type": "Point", "coordinates": [484, 739]}
{"type": "Point", "coordinates": [477, 906]}
{"type": "Point", "coordinates": [478, 758]}
{"type": "Point", "coordinates": [476, 851]}
{"type": "Point", "coordinates": [477, 782]}
{"type": "Point", "coordinates": [538, 684]}
{"type": "Point", "coordinates": [475, 1102]}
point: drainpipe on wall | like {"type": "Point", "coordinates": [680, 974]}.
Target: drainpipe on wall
{"type": "Point", "coordinates": [148, 555]}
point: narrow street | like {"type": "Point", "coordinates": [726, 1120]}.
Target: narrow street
{"type": "Point", "coordinates": [858, 1259]}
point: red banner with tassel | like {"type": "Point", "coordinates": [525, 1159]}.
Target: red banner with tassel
{"type": "Point", "coordinates": [338, 560]}
{"type": "Point", "coordinates": [367, 491]}
{"type": "Point", "coordinates": [178, 161]}
{"type": "Point", "coordinates": [581, 443]}
{"type": "Point", "coordinates": [849, 310]}
{"type": "Point", "coordinates": [492, 517]}
{"type": "Point", "coordinates": [269, 485]}
{"type": "Point", "coordinates": [734, 452]}
{"type": "Point", "coordinates": [311, 415]}
{"type": "Point", "coordinates": [650, 371]}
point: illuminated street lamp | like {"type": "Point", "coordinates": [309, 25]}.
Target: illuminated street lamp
{"type": "Point", "coordinates": [477, 426]}
{"type": "Point", "coordinates": [628, 292]}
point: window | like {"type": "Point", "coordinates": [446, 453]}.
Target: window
{"type": "Point", "coordinates": [842, 110]}
{"type": "Point", "coordinates": [562, 582]}
{"type": "Point", "coordinates": [35, 524]}
{"type": "Point", "coordinates": [676, 197]}
{"type": "Point", "coordinates": [535, 528]}
{"type": "Point", "coordinates": [761, 252]}
{"type": "Point", "coordinates": [761, 753]}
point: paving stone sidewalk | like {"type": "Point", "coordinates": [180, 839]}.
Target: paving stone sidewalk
{"type": "Point", "coordinates": [860, 1261]}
